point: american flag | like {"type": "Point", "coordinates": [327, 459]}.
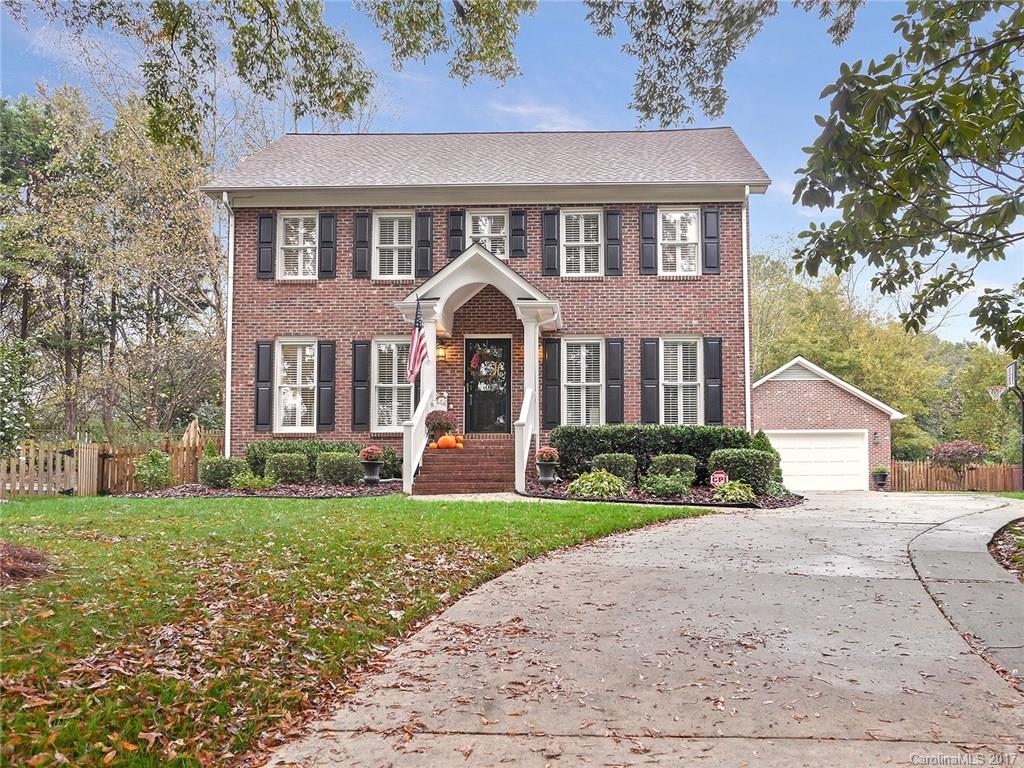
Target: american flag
{"type": "Point", "coordinates": [417, 347]}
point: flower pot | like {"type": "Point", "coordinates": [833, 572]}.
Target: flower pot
{"type": "Point", "coordinates": [880, 478]}
{"type": "Point", "coordinates": [371, 472]}
{"type": "Point", "coordinates": [546, 473]}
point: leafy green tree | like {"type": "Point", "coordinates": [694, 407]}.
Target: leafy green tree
{"type": "Point", "coordinates": [14, 411]}
{"type": "Point", "coordinates": [922, 154]}
{"type": "Point", "coordinates": [974, 415]}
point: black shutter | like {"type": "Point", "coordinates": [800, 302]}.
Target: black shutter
{"type": "Point", "coordinates": [552, 383]}
{"type": "Point", "coordinates": [424, 244]}
{"type": "Point", "coordinates": [328, 246]}
{"type": "Point", "coordinates": [650, 384]}
{"type": "Point", "coordinates": [517, 234]}
{"type": "Point", "coordinates": [649, 241]}
{"type": "Point", "coordinates": [362, 235]}
{"type": "Point", "coordinates": [613, 243]}
{"type": "Point", "coordinates": [613, 380]}
{"type": "Point", "coordinates": [456, 233]}
{"type": "Point", "coordinates": [264, 407]}
{"type": "Point", "coordinates": [265, 246]}
{"type": "Point", "coordinates": [325, 386]}
{"type": "Point", "coordinates": [713, 380]}
{"type": "Point", "coordinates": [360, 386]}
{"type": "Point", "coordinates": [552, 257]}
{"type": "Point", "coordinates": [711, 262]}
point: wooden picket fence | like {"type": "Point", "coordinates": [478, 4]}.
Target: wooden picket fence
{"type": "Point", "coordinates": [925, 476]}
{"type": "Point", "coordinates": [40, 468]}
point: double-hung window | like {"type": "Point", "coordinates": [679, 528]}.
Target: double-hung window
{"type": "Point", "coordinates": [679, 241]}
{"type": "Point", "coordinates": [393, 236]}
{"type": "Point", "coordinates": [581, 242]}
{"type": "Point", "coordinates": [297, 245]}
{"type": "Point", "coordinates": [680, 381]}
{"type": "Point", "coordinates": [296, 385]}
{"type": "Point", "coordinates": [392, 394]}
{"type": "Point", "coordinates": [583, 377]}
{"type": "Point", "coordinates": [490, 229]}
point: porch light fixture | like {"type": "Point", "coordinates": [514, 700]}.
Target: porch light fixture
{"type": "Point", "coordinates": [874, 438]}
{"type": "Point", "coordinates": [441, 351]}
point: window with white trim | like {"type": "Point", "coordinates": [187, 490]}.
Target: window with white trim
{"type": "Point", "coordinates": [296, 385]}
{"type": "Point", "coordinates": [581, 242]}
{"type": "Point", "coordinates": [582, 382]}
{"type": "Point", "coordinates": [393, 234]}
{"type": "Point", "coordinates": [392, 394]}
{"type": "Point", "coordinates": [678, 241]}
{"type": "Point", "coordinates": [680, 381]}
{"type": "Point", "coordinates": [297, 241]}
{"type": "Point", "coordinates": [490, 229]}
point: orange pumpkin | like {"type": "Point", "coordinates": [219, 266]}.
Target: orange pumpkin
{"type": "Point", "coordinates": [459, 445]}
{"type": "Point", "coordinates": [433, 445]}
{"type": "Point", "coordinates": [447, 442]}
{"type": "Point", "coordinates": [460, 438]}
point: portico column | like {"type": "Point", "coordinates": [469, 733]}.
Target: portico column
{"type": "Point", "coordinates": [531, 371]}
{"type": "Point", "coordinates": [428, 373]}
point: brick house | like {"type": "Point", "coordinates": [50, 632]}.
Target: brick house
{"type": "Point", "coordinates": [563, 278]}
{"type": "Point", "coordinates": [829, 434]}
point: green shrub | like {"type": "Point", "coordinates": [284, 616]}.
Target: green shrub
{"type": "Point", "coordinates": [210, 451]}
{"type": "Point", "coordinates": [619, 464]}
{"type": "Point", "coordinates": [256, 452]}
{"type": "Point", "coordinates": [667, 486]}
{"type": "Point", "coordinates": [392, 466]}
{"type": "Point", "coordinates": [577, 446]}
{"type": "Point", "coordinates": [755, 468]}
{"type": "Point", "coordinates": [287, 467]}
{"type": "Point", "coordinates": [217, 471]}
{"type": "Point", "coordinates": [247, 480]}
{"type": "Point", "coordinates": [761, 442]}
{"type": "Point", "coordinates": [600, 484]}
{"type": "Point", "coordinates": [778, 490]}
{"type": "Point", "coordinates": [339, 468]}
{"type": "Point", "coordinates": [153, 471]}
{"type": "Point", "coordinates": [674, 463]}
{"type": "Point", "coordinates": [734, 492]}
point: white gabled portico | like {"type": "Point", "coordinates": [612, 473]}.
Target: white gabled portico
{"type": "Point", "coordinates": [440, 297]}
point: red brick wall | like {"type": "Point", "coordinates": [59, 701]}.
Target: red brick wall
{"type": "Point", "coordinates": [796, 404]}
{"type": "Point", "coordinates": [632, 306]}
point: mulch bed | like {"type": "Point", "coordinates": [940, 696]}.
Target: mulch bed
{"type": "Point", "coordinates": [699, 496]}
{"type": "Point", "coordinates": [1006, 547]}
{"type": "Point", "coordinates": [19, 563]}
{"type": "Point", "coordinates": [282, 491]}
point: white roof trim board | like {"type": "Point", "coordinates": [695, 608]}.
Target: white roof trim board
{"type": "Point", "coordinates": [556, 159]}
{"type": "Point", "coordinates": [820, 372]}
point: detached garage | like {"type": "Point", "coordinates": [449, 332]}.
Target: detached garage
{"type": "Point", "coordinates": [829, 433]}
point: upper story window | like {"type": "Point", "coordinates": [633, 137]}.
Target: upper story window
{"type": "Point", "coordinates": [581, 242]}
{"type": "Point", "coordinates": [297, 240]}
{"type": "Point", "coordinates": [678, 241]}
{"type": "Point", "coordinates": [680, 381]}
{"type": "Point", "coordinates": [583, 377]}
{"type": "Point", "coordinates": [393, 236]}
{"type": "Point", "coordinates": [392, 394]}
{"type": "Point", "coordinates": [296, 385]}
{"type": "Point", "coordinates": [490, 229]}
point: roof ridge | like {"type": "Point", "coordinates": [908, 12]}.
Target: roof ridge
{"type": "Point", "coordinates": [508, 133]}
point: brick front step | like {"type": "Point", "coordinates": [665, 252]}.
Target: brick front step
{"type": "Point", "coordinates": [485, 465]}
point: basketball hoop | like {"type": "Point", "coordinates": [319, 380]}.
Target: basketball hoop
{"type": "Point", "coordinates": [996, 392]}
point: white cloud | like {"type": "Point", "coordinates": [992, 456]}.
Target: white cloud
{"type": "Point", "coordinates": [539, 117]}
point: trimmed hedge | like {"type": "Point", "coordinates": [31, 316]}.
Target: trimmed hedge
{"type": "Point", "coordinates": [392, 466]}
{"type": "Point", "coordinates": [577, 446]}
{"type": "Point", "coordinates": [287, 467]}
{"type": "Point", "coordinates": [762, 443]}
{"type": "Point", "coordinates": [753, 467]}
{"type": "Point", "coordinates": [619, 464]}
{"type": "Point", "coordinates": [667, 486]}
{"type": "Point", "coordinates": [674, 464]}
{"type": "Point", "coordinates": [339, 468]}
{"type": "Point", "coordinates": [256, 452]}
{"type": "Point", "coordinates": [217, 471]}
{"type": "Point", "coordinates": [599, 484]}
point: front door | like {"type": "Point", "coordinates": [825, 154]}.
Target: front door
{"type": "Point", "coordinates": [488, 385]}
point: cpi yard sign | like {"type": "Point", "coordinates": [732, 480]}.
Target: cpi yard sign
{"type": "Point", "coordinates": [718, 477]}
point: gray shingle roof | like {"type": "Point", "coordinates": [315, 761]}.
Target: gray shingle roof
{"type": "Point", "coordinates": [688, 156]}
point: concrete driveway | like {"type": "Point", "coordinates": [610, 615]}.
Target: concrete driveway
{"type": "Point", "coordinates": [769, 638]}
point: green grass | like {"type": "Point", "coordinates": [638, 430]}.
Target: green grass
{"type": "Point", "coordinates": [1013, 494]}
{"type": "Point", "coordinates": [176, 632]}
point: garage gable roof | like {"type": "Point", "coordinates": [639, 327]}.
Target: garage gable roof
{"type": "Point", "coordinates": [801, 368]}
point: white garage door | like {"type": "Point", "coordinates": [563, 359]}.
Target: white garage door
{"type": "Point", "coordinates": [822, 460]}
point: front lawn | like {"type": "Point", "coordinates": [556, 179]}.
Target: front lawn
{"type": "Point", "coordinates": [180, 631]}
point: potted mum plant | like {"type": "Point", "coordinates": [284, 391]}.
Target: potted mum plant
{"type": "Point", "coordinates": [372, 457]}
{"type": "Point", "coordinates": [880, 475]}
{"type": "Point", "coordinates": [547, 464]}
{"type": "Point", "coordinates": [441, 423]}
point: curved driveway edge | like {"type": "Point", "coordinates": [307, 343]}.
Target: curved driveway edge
{"type": "Point", "coordinates": [981, 599]}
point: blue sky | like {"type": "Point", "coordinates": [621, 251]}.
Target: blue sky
{"type": "Point", "coordinates": [574, 80]}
